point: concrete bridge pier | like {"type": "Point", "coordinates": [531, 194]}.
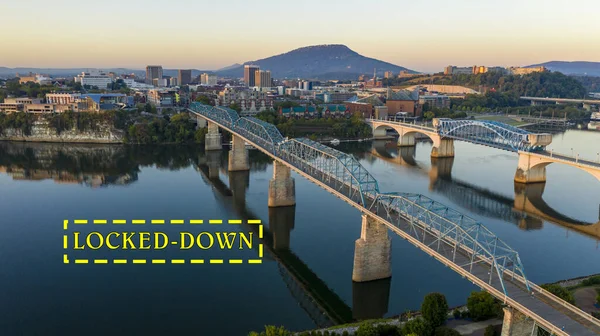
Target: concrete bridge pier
{"type": "Point", "coordinates": [372, 252]}
{"type": "Point", "coordinates": [281, 223]}
{"type": "Point", "coordinates": [530, 169]}
{"type": "Point", "coordinates": [517, 324]}
{"type": "Point", "coordinates": [442, 148]}
{"type": "Point", "coordinates": [370, 300]}
{"type": "Point", "coordinates": [213, 161]}
{"type": "Point", "coordinates": [238, 155]}
{"type": "Point", "coordinates": [441, 168]}
{"type": "Point", "coordinates": [213, 138]}
{"type": "Point", "coordinates": [201, 122]}
{"type": "Point", "coordinates": [406, 139]}
{"type": "Point", "coordinates": [282, 187]}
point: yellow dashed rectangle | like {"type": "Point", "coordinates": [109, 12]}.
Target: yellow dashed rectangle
{"type": "Point", "coordinates": [158, 221]}
{"type": "Point", "coordinates": [197, 261]}
{"type": "Point", "coordinates": [119, 261]}
{"type": "Point", "coordinates": [81, 261]}
{"type": "Point", "coordinates": [65, 224]}
{"type": "Point", "coordinates": [235, 221]}
{"type": "Point", "coordinates": [138, 221]}
{"type": "Point", "coordinates": [254, 221]}
{"type": "Point", "coordinates": [236, 261]}
{"type": "Point", "coordinates": [139, 261]}
{"type": "Point", "coordinates": [119, 221]}
{"type": "Point", "coordinates": [177, 261]}
{"type": "Point", "coordinates": [260, 250]}
{"type": "Point", "coordinates": [196, 221]}
{"type": "Point", "coordinates": [158, 261]}
{"type": "Point", "coordinates": [176, 221]}
{"type": "Point", "coordinates": [65, 245]}
{"type": "Point", "coordinates": [100, 261]}
{"type": "Point", "coordinates": [255, 261]}
{"type": "Point", "coordinates": [81, 221]}
{"type": "Point", "coordinates": [65, 259]}
{"type": "Point", "coordinates": [100, 221]}
{"type": "Point", "coordinates": [216, 261]}
{"type": "Point", "coordinates": [215, 221]}
{"type": "Point", "coordinates": [260, 232]}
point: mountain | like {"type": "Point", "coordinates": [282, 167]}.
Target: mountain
{"type": "Point", "coordinates": [318, 62]}
{"type": "Point", "coordinates": [233, 66]}
{"type": "Point", "coordinates": [572, 68]}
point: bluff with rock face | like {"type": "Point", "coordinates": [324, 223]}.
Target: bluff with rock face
{"type": "Point", "coordinates": [41, 131]}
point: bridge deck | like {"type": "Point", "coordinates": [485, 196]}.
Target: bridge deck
{"type": "Point", "coordinates": [573, 161]}
{"type": "Point", "coordinates": [547, 310]}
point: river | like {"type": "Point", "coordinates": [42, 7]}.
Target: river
{"type": "Point", "coordinates": [554, 226]}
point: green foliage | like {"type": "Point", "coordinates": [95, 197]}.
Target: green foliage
{"type": "Point", "coordinates": [388, 330]}
{"type": "Point", "coordinates": [490, 331]}
{"type": "Point", "coordinates": [445, 331]}
{"type": "Point", "coordinates": [482, 306]}
{"type": "Point", "coordinates": [205, 100]}
{"type": "Point", "coordinates": [595, 280]}
{"type": "Point", "coordinates": [561, 292]}
{"type": "Point", "coordinates": [417, 326]}
{"type": "Point", "coordinates": [19, 121]}
{"type": "Point", "coordinates": [598, 299]}
{"type": "Point", "coordinates": [345, 333]}
{"type": "Point", "coordinates": [596, 315]}
{"type": "Point", "coordinates": [456, 313]}
{"type": "Point", "coordinates": [177, 129]}
{"type": "Point", "coordinates": [366, 329]}
{"type": "Point", "coordinates": [435, 309]}
{"type": "Point", "coordinates": [236, 107]}
{"type": "Point", "coordinates": [272, 331]}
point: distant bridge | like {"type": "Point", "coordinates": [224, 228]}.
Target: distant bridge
{"type": "Point", "coordinates": [562, 100]}
{"type": "Point", "coordinates": [459, 242]}
{"type": "Point", "coordinates": [533, 158]}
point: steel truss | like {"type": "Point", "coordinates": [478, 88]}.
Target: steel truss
{"type": "Point", "coordinates": [487, 132]}
{"type": "Point", "coordinates": [458, 238]}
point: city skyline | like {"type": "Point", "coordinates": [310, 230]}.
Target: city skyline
{"type": "Point", "coordinates": [437, 34]}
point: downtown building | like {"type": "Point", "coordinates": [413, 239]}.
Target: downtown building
{"type": "Point", "coordinates": [184, 77]}
{"type": "Point", "coordinates": [251, 102]}
{"type": "Point", "coordinates": [153, 72]}
{"type": "Point", "coordinates": [208, 80]}
{"type": "Point", "coordinates": [250, 74]}
{"type": "Point", "coordinates": [94, 78]}
{"type": "Point", "coordinates": [262, 79]}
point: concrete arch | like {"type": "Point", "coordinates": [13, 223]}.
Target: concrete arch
{"type": "Point", "coordinates": [442, 147]}
{"type": "Point", "coordinates": [532, 167]}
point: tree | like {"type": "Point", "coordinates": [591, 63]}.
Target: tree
{"type": "Point", "coordinates": [366, 329]}
{"type": "Point", "coordinates": [561, 292]}
{"type": "Point", "coordinates": [490, 331]}
{"type": "Point", "coordinates": [445, 331]}
{"type": "Point", "coordinates": [236, 107]}
{"type": "Point", "coordinates": [482, 306]}
{"type": "Point", "coordinates": [272, 331]}
{"type": "Point", "coordinates": [204, 100]}
{"type": "Point", "coordinates": [435, 309]}
{"type": "Point", "coordinates": [417, 326]}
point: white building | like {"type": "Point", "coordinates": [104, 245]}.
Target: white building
{"type": "Point", "coordinates": [132, 84]}
{"type": "Point", "coordinates": [62, 98]}
{"type": "Point", "coordinates": [94, 79]}
{"type": "Point", "coordinates": [208, 80]}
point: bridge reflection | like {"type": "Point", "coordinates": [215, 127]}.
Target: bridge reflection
{"type": "Point", "coordinates": [527, 209]}
{"type": "Point", "coordinates": [322, 305]}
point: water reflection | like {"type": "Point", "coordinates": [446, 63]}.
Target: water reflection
{"type": "Point", "coordinates": [527, 209]}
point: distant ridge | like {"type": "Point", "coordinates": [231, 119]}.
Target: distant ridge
{"type": "Point", "coordinates": [330, 61]}
{"type": "Point", "coordinates": [572, 68]}
{"type": "Point", "coordinates": [69, 72]}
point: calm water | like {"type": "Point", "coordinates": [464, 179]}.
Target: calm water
{"type": "Point", "coordinates": [43, 184]}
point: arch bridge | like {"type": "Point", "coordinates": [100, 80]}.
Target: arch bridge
{"type": "Point", "coordinates": [458, 241]}
{"type": "Point", "coordinates": [531, 147]}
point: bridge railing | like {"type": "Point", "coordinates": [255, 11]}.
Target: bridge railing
{"type": "Point", "coordinates": [344, 174]}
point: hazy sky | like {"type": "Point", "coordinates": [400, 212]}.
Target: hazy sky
{"type": "Point", "coordinates": [421, 35]}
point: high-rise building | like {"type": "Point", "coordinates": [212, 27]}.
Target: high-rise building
{"type": "Point", "coordinates": [249, 74]}
{"type": "Point", "coordinates": [209, 80]}
{"type": "Point", "coordinates": [153, 72]}
{"type": "Point", "coordinates": [388, 74]}
{"type": "Point", "coordinates": [184, 77]}
{"type": "Point", "coordinates": [262, 78]}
